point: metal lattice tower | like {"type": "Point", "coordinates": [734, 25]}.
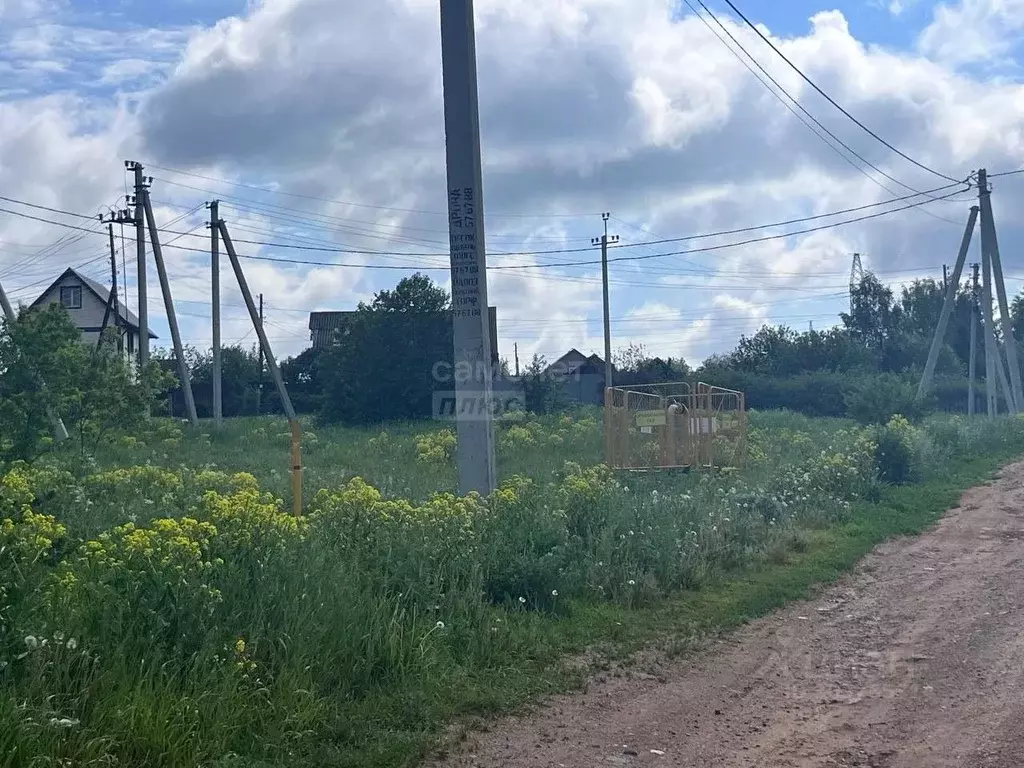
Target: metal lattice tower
{"type": "Point", "coordinates": [856, 277]}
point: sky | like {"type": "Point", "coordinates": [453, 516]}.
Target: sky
{"type": "Point", "coordinates": [318, 124]}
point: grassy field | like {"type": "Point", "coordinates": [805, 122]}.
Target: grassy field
{"type": "Point", "coordinates": [160, 607]}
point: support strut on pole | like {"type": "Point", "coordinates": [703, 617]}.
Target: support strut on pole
{"type": "Point", "coordinates": [947, 305]}
{"type": "Point", "coordinates": [972, 404]}
{"type": "Point", "coordinates": [172, 318]}
{"type": "Point", "coordinates": [275, 371]}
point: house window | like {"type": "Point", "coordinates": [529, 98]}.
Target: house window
{"type": "Point", "coordinates": [71, 296]}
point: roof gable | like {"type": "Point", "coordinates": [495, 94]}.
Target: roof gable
{"type": "Point", "coordinates": [100, 292]}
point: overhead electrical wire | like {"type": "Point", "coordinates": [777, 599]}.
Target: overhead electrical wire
{"type": "Point", "coordinates": [664, 241]}
{"type": "Point", "coordinates": [562, 264]}
{"type": "Point", "coordinates": [358, 205]}
{"type": "Point", "coordinates": [798, 105]}
{"type": "Point", "coordinates": [830, 100]}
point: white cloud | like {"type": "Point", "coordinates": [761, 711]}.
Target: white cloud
{"type": "Point", "coordinates": [587, 105]}
{"type": "Point", "coordinates": [972, 31]}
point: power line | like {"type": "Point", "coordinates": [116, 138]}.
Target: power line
{"type": "Point", "coordinates": [664, 241]}
{"type": "Point", "coordinates": [350, 203]}
{"type": "Point", "coordinates": [750, 241]}
{"type": "Point", "coordinates": [832, 101]}
{"type": "Point", "coordinates": [796, 102]}
{"type": "Point", "coordinates": [589, 262]}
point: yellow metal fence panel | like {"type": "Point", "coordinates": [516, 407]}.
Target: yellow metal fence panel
{"type": "Point", "coordinates": [674, 426]}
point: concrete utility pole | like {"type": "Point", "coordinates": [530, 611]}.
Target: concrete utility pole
{"type": "Point", "coordinates": [603, 241]}
{"type": "Point", "coordinates": [112, 296]}
{"type": "Point", "coordinates": [473, 393]}
{"type": "Point", "coordinates": [5, 305]}
{"type": "Point", "coordinates": [516, 348]}
{"type": "Point", "coordinates": [990, 243]}
{"type": "Point", "coordinates": [115, 301]}
{"type": "Point", "coordinates": [991, 350]}
{"type": "Point", "coordinates": [947, 304]}
{"type": "Point", "coordinates": [972, 365]}
{"type": "Point", "coordinates": [140, 246]}
{"type": "Point", "coordinates": [218, 391]}
{"type": "Point", "coordinates": [172, 318]}
{"type": "Point", "coordinates": [259, 382]}
{"type": "Point", "coordinates": [122, 216]}
{"type": "Point", "coordinates": [60, 433]}
{"type": "Point", "coordinates": [945, 278]}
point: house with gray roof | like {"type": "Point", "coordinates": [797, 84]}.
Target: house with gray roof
{"type": "Point", "coordinates": [86, 301]}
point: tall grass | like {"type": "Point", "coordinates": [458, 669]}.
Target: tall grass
{"type": "Point", "coordinates": [174, 614]}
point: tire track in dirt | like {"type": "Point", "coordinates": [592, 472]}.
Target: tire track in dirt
{"type": "Point", "coordinates": [914, 660]}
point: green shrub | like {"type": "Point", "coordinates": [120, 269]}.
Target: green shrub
{"type": "Point", "coordinates": [896, 447]}
{"type": "Point", "coordinates": [876, 399]}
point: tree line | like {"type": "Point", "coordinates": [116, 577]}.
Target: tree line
{"type": "Point", "coordinates": [382, 367]}
{"type": "Point", "coordinates": [866, 366]}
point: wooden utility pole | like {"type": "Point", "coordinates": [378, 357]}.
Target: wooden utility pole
{"type": "Point", "coordinates": [218, 392]}
{"type": "Point", "coordinates": [972, 405]}
{"type": "Point", "coordinates": [603, 241]}
{"type": "Point", "coordinates": [172, 318]}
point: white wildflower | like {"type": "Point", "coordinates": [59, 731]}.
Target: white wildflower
{"type": "Point", "coordinates": [63, 722]}
{"type": "Point", "coordinates": [31, 642]}
{"type": "Point", "coordinates": [554, 593]}
{"type": "Point", "coordinates": [72, 644]}
{"type": "Point", "coordinates": [631, 583]}
{"type": "Point", "coordinates": [439, 625]}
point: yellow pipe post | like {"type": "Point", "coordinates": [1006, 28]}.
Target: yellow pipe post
{"type": "Point", "coordinates": [296, 430]}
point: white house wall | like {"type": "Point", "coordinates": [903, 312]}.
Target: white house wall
{"type": "Point", "coordinates": [91, 313]}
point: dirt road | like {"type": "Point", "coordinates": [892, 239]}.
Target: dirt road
{"type": "Point", "coordinates": [915, 660]}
